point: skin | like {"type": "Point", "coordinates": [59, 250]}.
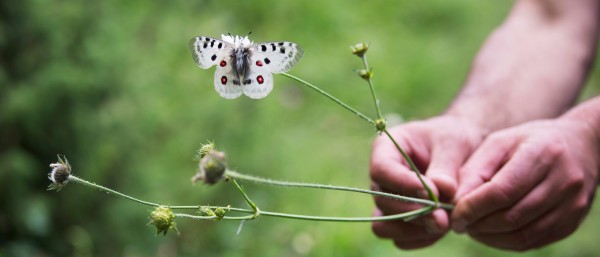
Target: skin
{"type": "Point", "coordinates": [520, 170]}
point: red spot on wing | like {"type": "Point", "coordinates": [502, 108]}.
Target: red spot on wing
{"type": "Point", "coordinates": [223, 63]}
{"type": "Point", "coordinates": [223, 80]}
{"type": "Point", "coordinates": [260, 79]}
{"type": "Point", "coordinates": [259, 63]}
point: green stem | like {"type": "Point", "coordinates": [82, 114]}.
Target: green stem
{"type": "Point", "coordinates": [372, 88]}
{"type": "Point", "coordinates": [406, 215]}
{"type": "Point", "coordinates": [254, 212]}
{"type": "Point", "coordinates": [108, 190]}
{"type": "Point", "coordinates": [250, 202]}
{"type": "Point", "coordinates": [357, 113]}
{"type": "Point", "coordinates": [237, 175]}
{"type": "Point", "coordinates": [413, 167]}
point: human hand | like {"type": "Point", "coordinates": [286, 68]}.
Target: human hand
{"type": "Point", "coordinates": [438, 146]}
{"type": "Point", "coordinates": [529, 185]}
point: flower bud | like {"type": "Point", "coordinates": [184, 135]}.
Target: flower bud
{"type": "Point", "coordinates": [163, 219]}
{"type": "Point", "coordinates": [360, 49]}
{"type": "Point", "coordinates": [60, 174]}
{"type": "Point", "coordinates": [380, 124]}
{"type": "Point", "coordinates": [220, 212]}
{"type": "Point", "coordinates": [206, 211]}
{"type": "Point", "coordinates": [211, 168]}
{"type": "Point", "coordinates": [365, 74]}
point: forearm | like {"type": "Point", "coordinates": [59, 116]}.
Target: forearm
{"type": "Point", "coordinates": [533, 66]}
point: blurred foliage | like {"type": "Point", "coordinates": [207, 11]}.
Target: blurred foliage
{"type": "Point", "coordinates": [111, 85]}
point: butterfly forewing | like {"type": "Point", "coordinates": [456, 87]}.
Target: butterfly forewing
{"type": "Point", "coordinates": [208, 51]}
{"type": "Point", "coordinates": [278, 57]}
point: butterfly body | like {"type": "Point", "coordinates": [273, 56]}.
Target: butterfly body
{"type": "Point", "coordinates": [244, 67]}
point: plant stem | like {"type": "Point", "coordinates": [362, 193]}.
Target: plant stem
{"type": "Point", "coordinates": [414, 168]}
{"type": "Point", "coordinates": [372, 88]}
{"type": "Point", "coordinates": [108, 190]}
{"type": "Point", "coordinates": [237, 175]}
{"type": "Point", "coordinates": [254, 212]}
{"type": "Point", "coordinates": [406, 215]}
{"type": "Point", "coordinates": [250, 202]}
{"type": "Point", "coordinates": [357, 113]}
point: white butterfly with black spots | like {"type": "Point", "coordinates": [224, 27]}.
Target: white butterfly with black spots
{"type": "Point", "coordinates": [242, 66]}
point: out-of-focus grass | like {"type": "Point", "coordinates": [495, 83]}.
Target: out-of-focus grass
{"type": "Point", "coordinates": [112, 85]}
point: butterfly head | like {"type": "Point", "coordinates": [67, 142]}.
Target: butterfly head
{"type": "Point", "coordinates": [237, 41]}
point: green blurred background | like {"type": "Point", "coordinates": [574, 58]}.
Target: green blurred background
{"type": "Point", "coordinates": [111, 85]}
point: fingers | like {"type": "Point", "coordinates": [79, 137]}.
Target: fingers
{"type": "Point", "coordinates": [408, 235]}
{"type": "Point", "coordinates": [554, 225]}
{"type": "Point", "coordinates": [516, 178]}
{"type": "Point", "coordinates": [484, 163]}
{"type": "Point", "coordinates": [389, 171]}
{"type": "Point", "coordinates": [447, 156]}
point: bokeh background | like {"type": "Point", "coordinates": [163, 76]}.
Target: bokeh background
{"type": "Point", "coordinates": [111, 85]}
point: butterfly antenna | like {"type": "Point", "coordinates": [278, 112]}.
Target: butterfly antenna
{"type": "Point", "coordinates": [249, 33]}
{"type": "Point", "coordinates": [229, 34]}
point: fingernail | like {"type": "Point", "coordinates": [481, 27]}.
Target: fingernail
{"type": "Point", "coordinates": [459, 226]}
{"type": "Point", "coordinates": [432, 227]}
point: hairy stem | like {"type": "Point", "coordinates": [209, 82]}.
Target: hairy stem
{"type": "Point", "coordinates": [267, 181]}
{"type": "Point", "coordinates": [357, 113]}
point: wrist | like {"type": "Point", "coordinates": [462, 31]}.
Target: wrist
{"type": "Point", "coordinates": [588, 114]}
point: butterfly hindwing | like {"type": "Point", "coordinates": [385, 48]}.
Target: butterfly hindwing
{"type": "Point", "coordinates": [208, 51]}
{"type": "Point", "coordinates": [224, 81]}
{"type": "Point", "coordinates": [278, 57]}
{"type": "Point", "coordinates": [260, 81]}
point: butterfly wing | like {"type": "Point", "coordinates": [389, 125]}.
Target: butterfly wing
{"type": "Point", "coordinates": [208, 51]}
{"type": "Point", "coordinates": [260, 81]}
{"type": "Point", "coordinates": [278, 57]}
{"type": "Point", "coordinates": [224, 78]}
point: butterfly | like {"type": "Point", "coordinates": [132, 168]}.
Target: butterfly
{"type": "Point", "coordinates": [242, 66]}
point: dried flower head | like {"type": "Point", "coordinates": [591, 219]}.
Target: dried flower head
{"type": "Point", "coordinates": [365, 74]}
{"type": "Point", "coordinates": [163, 219]}
{"type": "Point", "coordinates": [360, 49]}
{"type": "Point", "coordinates": [211, 168]}
{"type": "Point", "coordinates": [59, 175]}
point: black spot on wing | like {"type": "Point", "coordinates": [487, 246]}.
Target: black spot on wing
{"type": "Point", "coordinates": [267, 61]}
{"type": "Point", "coordinates": [290, 44]}
{"type": "Point", "coordinates": [280, 43]}
{"type": "Point", "coordinates": [220, 45]}
{"type": "Point", "coordinates": [207, 39]}
{"type": "Point", "coordinates": [273, 46]}
{"type": "Point", "coordinates": [263, 48]}
{"type": "Point", "coordinates": [205, 45]}
{"type": "Point", "coordinates": [247, 81]}
{"type": "Point", "coordinates": [213, 57]}
{"type": "Point", "coordinates": [212, 43]}
{"type": "Point", "coordinates": [282, 50]}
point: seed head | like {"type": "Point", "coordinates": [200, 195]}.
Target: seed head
{"type": "Point", "coordinates": [163, 219]}
{"type": "Point", "coordinates": [211, 168]}
{"type": "Point", "coordinates": [59, 175]}
{"type": "Point", "coordinates": [359, 49]}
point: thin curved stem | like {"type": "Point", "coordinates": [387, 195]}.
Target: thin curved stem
{"type": "Point", "coordinates": [414, 168]}
{"type": "Point", "coordinates": [333, 98]}
{"type": "Point", "coordinates": [250, 202]}
{"type": "Point", "coordinates": [372, 88]}
{"type": "Point", "coordinates": [240, 176]}
{"type": "Point", "coordinates": [406, 215]}
{"type": "Point", "coordinates": [108, 190]}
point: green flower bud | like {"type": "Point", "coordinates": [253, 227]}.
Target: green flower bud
{"type": "Point", "coordinates": [163, 219]}
{"type": "Point", "coordinates": [206, 211]}
{"type": "Point", "coordinates": [220, 212]}
{"type": "Point", "coordinates": [380, 124]}
{"type": "Point", "coordinates": [211, 168]}
{"type": "Point", "coordinates": [360, 49]}
{"type": "Point", "coordinates": [365, 74]}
